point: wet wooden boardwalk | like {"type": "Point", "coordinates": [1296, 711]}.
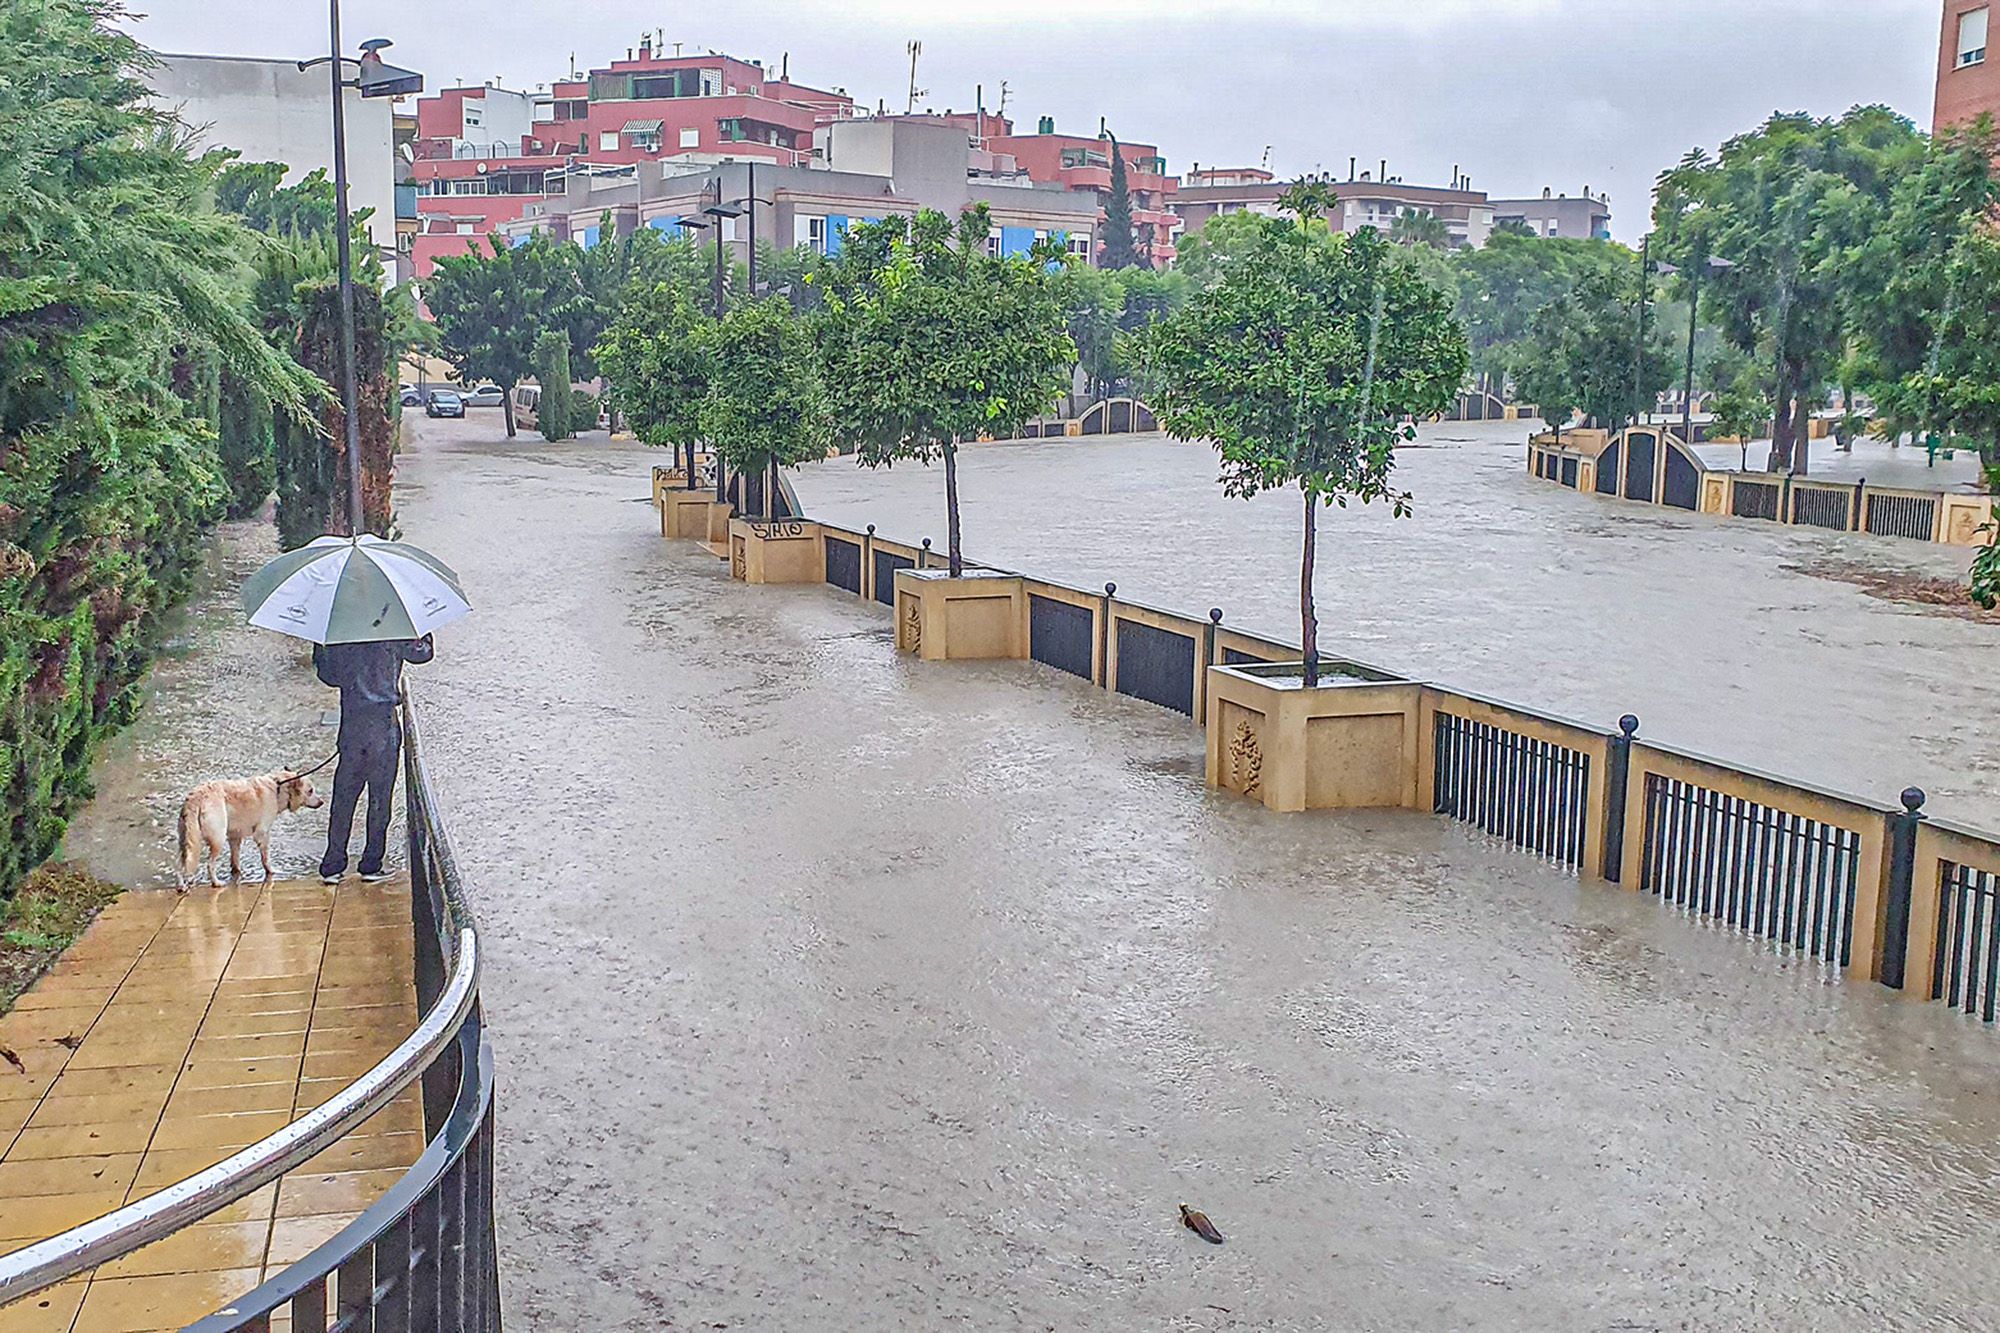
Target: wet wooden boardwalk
{"type": "Point", "coordinates": [177, 1031]}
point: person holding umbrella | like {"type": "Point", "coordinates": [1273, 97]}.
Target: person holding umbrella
{"type": "Point", "coordinates": [368, 606]}
{"type": "Point", "coordinates": [369, 677]}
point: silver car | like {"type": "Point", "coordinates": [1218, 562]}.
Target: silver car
{"type": "Point", "coordinates": [485, 395]}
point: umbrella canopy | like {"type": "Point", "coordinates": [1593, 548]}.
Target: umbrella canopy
{"type": "Point", "coordinates": [354, 590]}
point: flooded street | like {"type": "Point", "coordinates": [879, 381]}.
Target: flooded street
{"type": "Point", "coordinates": [1724, 636]}
{"type": "Point", "coordinates": [835, 990]}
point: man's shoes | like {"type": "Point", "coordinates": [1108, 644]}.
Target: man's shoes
{"type": "Point", "coordinates": [374, 876]}
{"type": "Point", "coordinates": [325, 878]}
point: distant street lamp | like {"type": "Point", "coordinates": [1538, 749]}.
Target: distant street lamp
{"type": "Point", "coordinates": [720, 211]}
{"type": "Point", "coordinates": [374, 77]}
{"type": "Point", "coordinates": [692, 224]}
{"type": "Point", "coordinates": [1715, 265]}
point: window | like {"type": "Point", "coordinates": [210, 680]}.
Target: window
{"type": "Point", "coordinates": [1972, 37]}
{"type": "Point", "coordinates": [993, 244]}
{"type": "Point", "coordinates": [607, 140]}
{"type": "Point", "coordinates": [690, 138]}
{"type": "Point", "coordinates": [463, 228]}
{"type": "Point", "coordinates": [1079, 244]}
{"type": "Point", "coordinates": [816, 235]}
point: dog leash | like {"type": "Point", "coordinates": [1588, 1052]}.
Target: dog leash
{"type": "Point", "coordinates": [317, 767]}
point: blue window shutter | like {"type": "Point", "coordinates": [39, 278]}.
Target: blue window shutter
{"type": "Point", "coordinates": [871, 220]}
{"type": "Point", "coordinates": [519, 241]}
{"type": "Point", "coordinates": [590, 235]}
{"type": "Point", "coordinates": [1016, 241]}
{"type": "Point", "coordinates": [670, 225]}
{"type": "Point", "coordinates": [836, 233]}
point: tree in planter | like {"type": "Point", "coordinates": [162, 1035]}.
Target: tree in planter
{"type": "Point", "coordinates": [490, 308]}
{"type": "Point", "coordinates": [658, 358]}
{"type": "Point", "coordinates": [553, 409]}
{"type": "Point", "coordinates": [1304, 364]}
{"type": "Point", "coordinates": [766, 407]}
{"type": "Point", "coordinates": [929, 344]}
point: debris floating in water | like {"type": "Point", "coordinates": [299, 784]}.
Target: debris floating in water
{"type": "Point", "coordinates": [1197, 1221]}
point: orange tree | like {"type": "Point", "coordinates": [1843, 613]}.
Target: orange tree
{"type": "Point", "coordinates": [929, 342]}
{"type": "Point", "coordinates": [1304, 365]}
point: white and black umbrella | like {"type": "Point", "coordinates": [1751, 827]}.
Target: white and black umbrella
{"type": "Point", "coordinates": [354, 590]}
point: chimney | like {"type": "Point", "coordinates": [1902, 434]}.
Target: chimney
{"type": "Point", "coordinates": [1454, 175]}
{"type": "Point", "coordinates": [1547, 193]}
{"type": "Point", "coordinates": [646, 48]}
{"type": "Point", "coordinates": [1350, 168]}
{"type": "Point", "coordinates": [1385, 170]}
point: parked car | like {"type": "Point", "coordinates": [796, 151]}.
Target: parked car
{"type": "Point", "coordinates": [444, 403]}
{"type": "Point", "coordinates": [527, 398]}
{"type": "Point", "coordinates": [485, 395]}
{"type": "Point", "coordinates": [414, 397]}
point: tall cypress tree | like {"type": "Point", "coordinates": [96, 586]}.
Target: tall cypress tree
{"type": "Point", "coordinates": [1119, 250]}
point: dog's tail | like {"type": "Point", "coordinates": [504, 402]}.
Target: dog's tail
{"type": "Point", "coordinates": [190, 844]}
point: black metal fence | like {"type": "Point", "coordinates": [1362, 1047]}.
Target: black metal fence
{"type": "Point", "coordinates": [843, 564]}
{"type": "Point", "coordinates": [1755, 499]}
{"type": "Point", "coordinates": [1967, 972]}
{"type": "Point", "coordinates": [1639, 475]}
{"type": "Point", "coordinates": [1530, 792]}
{"type": "Point", "coordinates": [886, 565]}
{"type": "Point", "coordinates": [1822, 507]}
{"type": "Point", "coordinates": [1902, 515]}
{"type": "Point", "coordinates": [1607, 469]}
{"type": "Point", "coordinates": [1156, 665]}
{"type": "Point", "coordinates": [1769, 872]}
{"type": "Point", "coordinates": [1061, 634]}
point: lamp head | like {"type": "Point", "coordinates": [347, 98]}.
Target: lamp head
{"type": "Point", "coordinates": [378, 78]}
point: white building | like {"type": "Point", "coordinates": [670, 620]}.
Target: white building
{"type": "Point", "coordinates": [271, 111]}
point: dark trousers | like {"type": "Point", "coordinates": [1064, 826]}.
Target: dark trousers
{"type": "Point", "coordinates": [371, 745]}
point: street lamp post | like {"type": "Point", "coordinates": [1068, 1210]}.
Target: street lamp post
{"type": "Point", "coordinates": [1639, 343]}
{"type": "Point", "coordinates": [720, 211]}
{"type": "Point", "coordinates": [374, 78]}
{"type": "Point", "coordinates": [1713, 265]}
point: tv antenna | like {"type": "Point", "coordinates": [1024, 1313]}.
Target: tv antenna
{"type": "Point", "coordinates": [915, 49]}
{"type": "Point", "coordinates": [1001, 113]}
{"type": "Point", "coordinates": [1267, 157]}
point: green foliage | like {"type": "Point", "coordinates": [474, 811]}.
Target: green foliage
{"type": "Point", "coordinates": [1227, 240]}
{"type": "Point", "coordinates": [766, 403]}
{"type": "Point", "coordinates": [1305, 363]}
{"type": "Point", "coordinates": [1120, 249]}
{"type": "Point", "coordinates": [658, 358]}
{"type": "Point", "coordinates": [1420, 226]}
{"type": "Point", "coordinates": [929, 343]}
{"type": "Point", "coordinates": [1789, 204]}
{"type": "Point", "coordinates": [256, 192]}
{"type": "Point", "coordinates": [491, 307]}
{"type": "Point", "coordinates": [245, 443]}
{"type": "Point", "coordinates": [1503, 286]}
{"type": "Point", "coordinates": [1578, 355]}
{"type": "Point", "coordinates": [312, 459]}
{"type": "Point", "coordinates": [115, 269]}
{"type": "Point", "coordinates": [553, 409]}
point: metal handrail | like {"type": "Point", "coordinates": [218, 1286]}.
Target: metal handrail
{"type": "Point", "coordinates": [181, 1205]}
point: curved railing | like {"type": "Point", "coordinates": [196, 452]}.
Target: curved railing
{"type": "Point", "coordinates": [421, 1256]}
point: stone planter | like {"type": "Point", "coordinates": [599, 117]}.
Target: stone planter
{"type": "Point", "coordinates": [1350, 743]}
{"type": "Point", "coordinates": [981, 615]}
{"type": "Point", "coordinates": [786, 550]}
{"type": "Point", "coordinates": [685, 514]}
{"type": "Point", "coordinates": [716, 535]}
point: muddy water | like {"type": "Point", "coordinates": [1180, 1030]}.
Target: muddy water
{"type": "Point", "coordinates": [832, 991]}
{"type": "Point", "coordinates": [1715, 632]}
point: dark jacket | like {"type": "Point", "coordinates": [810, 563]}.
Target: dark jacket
{"type": "Point", "coordinates": [367, 673]}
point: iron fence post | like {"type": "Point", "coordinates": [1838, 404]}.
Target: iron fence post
{"type": "Point", "coordinates": [1104, 636]}
{"type": "Point", "coordinates": [1617, 776]}
{"type": "Point", "coordinates": [867, 579]}
{"type": "Point", "coordinates": [1860, 494]}
{"type": "Point", "coordinates": [924, 555]}
{"type": "Point", "coordinates": [1902, 874]}
{"type": "Point", "coordinates": [1208, 637]}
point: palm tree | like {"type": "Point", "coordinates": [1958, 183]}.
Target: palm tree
{"type": "Point", "coordinates": [1420, 226]}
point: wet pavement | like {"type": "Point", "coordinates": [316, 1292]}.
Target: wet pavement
{"type": "Point", "coordinates": [1716, 632]}
{"type": "Point", "coordinates": [834, 990]}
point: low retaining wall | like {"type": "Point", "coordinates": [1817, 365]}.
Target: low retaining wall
{"type": "Point", "coordinates": [1601, 465]}
{"type": "Point", "coordinates": [1870, 889]}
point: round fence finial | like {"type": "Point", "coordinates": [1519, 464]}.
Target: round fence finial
{"type": "Point", "coordinates": [927, 543]}
{"type": "Point", "coordinates": [1215, 615]}
{"type": "Point", "coordinates": [1110, 590]}
{"type": "Point", "coordinates": [871, 529]}
{"type": "Point", "coordinates": [1913, 799]}
{"type": "Point", "coordinates": [1629, 724]}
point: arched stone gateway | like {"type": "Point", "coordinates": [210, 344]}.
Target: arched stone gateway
{"type": "Point", "coordinates": [1646, 463]}
{"type": "Point", "coordinates": [1117, 416]}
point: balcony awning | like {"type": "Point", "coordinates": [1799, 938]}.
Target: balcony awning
{"type": "Point", "coordinates": [641, 127]}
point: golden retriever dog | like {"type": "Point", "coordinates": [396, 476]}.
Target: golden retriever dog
{"type": "Point", "coordinates": [235, 809]}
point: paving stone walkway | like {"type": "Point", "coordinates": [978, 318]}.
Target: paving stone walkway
{"type": "Point", "coordinates": [177, 1031]}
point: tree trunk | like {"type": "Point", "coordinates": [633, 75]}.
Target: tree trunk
{"type": "Point", "coordinates": [507, 410]}
{"type": "Point", "coordinates": [1802, 410]}
{"type": "Point", "coordinates": [771, 491]}
{"type": "Point", "coordinates": [1842, 436]}
{"type": "Point", "coordinates": [1308, 618]}
{"type": "Point", "coordinates": [957, 561]}
{"type": "Point", "coordinates": [1781, 421]}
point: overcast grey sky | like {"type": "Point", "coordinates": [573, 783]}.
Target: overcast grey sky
{"type": "Point", "coordinates": [1519, 93]}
